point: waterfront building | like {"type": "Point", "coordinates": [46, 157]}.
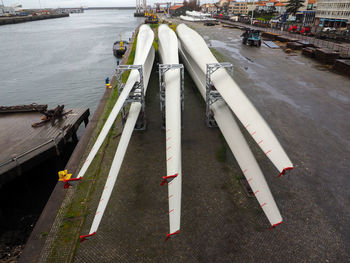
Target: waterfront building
{"type": "Point", "coordinates": [333, 13]}
{"type": "Point", "coordinates": [208, 8]}
{"type": "Point", "coordinates": [178, 10]}
{"type": "Point", "coordinates": [273, 6]}
{"type": "Point", "coordinates": [238, 8]}
{"type": "Point", "coordinates": [306, 13]}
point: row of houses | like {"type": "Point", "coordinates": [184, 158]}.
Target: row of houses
{"type": "Point", "coordinates": [243, 7]}
{"type": "Point", "coordinates": [322, 13]}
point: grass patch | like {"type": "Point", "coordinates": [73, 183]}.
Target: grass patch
{"type": "Point", "coordinates": [155, 44]}
{"type": "Point", "coordinates": [173, 27]}
{"type": "Point", "coordinates": [154, 26]}
{"type": "Point", "coordinates": [130, 60]}
{"type": "Point", "coordinates": [221, 152]}
{"type": "Point", "coordinates": [218, 55]}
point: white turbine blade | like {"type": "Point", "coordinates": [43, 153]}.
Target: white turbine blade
{"type": "Point", "coordinates": [245, 111]}
{"type": "Point", "coordinates": [168, 49]}
{"type": "Point", "coordinates": [238, 145]}
{"type": "Point", "coordinates": [134, 112]}
{"type": "Point", "coordinates": [143, 47]}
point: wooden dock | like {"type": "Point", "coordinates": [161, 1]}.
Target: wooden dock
{"type": "Point", "coordinates": [23, 146]}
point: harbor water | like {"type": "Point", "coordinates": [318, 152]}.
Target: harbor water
{"type": "Point", "coordinates": [61, 61]}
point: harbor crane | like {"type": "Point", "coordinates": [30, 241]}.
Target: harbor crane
{"type": "Point", "coordinates": [141, 6]}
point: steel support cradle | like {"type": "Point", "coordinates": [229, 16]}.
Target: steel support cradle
{"type": "Point", "coordinates": [212, 95]}
{"type": "Point", "coordinates": [137, 94]}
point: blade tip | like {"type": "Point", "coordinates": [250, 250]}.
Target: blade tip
{"type": "Point", "coordinates": [285, 170]}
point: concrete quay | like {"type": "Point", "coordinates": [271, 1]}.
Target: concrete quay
{"type": "Point", "coordinates": [22, 19]}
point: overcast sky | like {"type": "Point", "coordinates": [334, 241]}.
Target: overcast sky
{"type": "Point", "coordinates": [78, 3]}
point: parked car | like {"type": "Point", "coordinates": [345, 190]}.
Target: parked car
{"type": "Point", "coordinates": [234, 18]}
{"type": "Point", "coordinates": [329, 29]}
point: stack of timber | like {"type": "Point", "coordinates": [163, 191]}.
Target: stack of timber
{"type": "Point", "coordinates": [294, 45]}
{"type": "Point", "coordinates": [326, 56]}
{"type": "Point", "coordinates": [305, 43]}
{"type": "Point", "coordinates": [309, 52]}
{"type": "Point", "coordinates": [286, 39]}
{"type": "Point", "coordinates": [270, 35]}
{"type": "Point", "coordinates": [343, 66]}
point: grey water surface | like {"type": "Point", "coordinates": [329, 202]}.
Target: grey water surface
{"type": "Point", "coordinates": [61, 61]}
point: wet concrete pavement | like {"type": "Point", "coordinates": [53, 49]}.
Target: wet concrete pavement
{"type": "Point", "coordinates": [308, 107]}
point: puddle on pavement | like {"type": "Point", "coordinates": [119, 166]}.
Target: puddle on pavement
{"type": "Point", "coordinates": [337, 95]}
{"type": "Point", "coordinates": [235, 51]}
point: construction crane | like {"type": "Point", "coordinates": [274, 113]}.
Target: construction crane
{"type": "Point", "coordinates": [141, 7]}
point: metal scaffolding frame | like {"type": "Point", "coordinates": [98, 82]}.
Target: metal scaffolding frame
{"type": "Point", "coordinates": [212, 95]}
{"type": "Point", "coordinates": [163, 68]}
{"type": "Point", "coordinates": [137, 94]}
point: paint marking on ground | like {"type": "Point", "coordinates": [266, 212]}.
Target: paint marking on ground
{"type": "Point", "coordinates": [172, 210]}
{"type": "Point", "coordinates": [260, 141]}
{"type": "Point", "coordinates": [169, 158]}
{"type": "Point", "coordinates": [263, 204]}
{"type": "Point", "coordinates": [268, 152]}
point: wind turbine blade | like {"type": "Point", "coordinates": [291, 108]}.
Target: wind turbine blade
{"type": "Point", "coordinates": [145, 40]}
{"type": "Point", "coordinates": [168, 49]}
{"type": "Point", "coordinates": [245, 111]}
{"type": "Point", "coordinates": [143, 47]}
{"type": "Point", "coordinates": [238, 145]}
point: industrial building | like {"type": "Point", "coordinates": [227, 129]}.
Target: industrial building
{"type": "Point", "coordinates": [333, 13]}
{"type": "Point", "coordinates": [178, 10]}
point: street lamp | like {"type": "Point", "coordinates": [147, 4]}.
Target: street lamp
{"type": "Point", "coordinates": [251, 21]}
